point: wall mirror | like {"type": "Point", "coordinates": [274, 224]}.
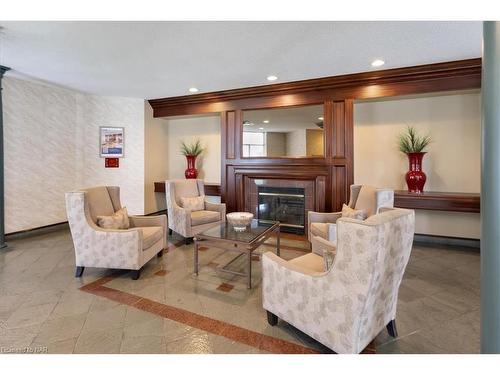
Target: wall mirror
{"type": "Point", "coordinates": [283, 132]}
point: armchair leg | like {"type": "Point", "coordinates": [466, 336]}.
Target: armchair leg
{"type": "Point", "coordinates": [79, 271]}
{"type": "Point", "coordinates": [271, 318]}
{"type": "Point", "coordinates": [136, 274]}
{"type": "Point", "coordinates": [160, 254]}
{"type": "Point", "coordinates": [391, 328]}
{"type": "Point", "coordinates": [170, 231]}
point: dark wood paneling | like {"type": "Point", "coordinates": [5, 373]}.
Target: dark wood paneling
{"type": "Point", "coordinates": [335, 171]}
{"type": "Point", "coordinates": [457, 202]}
{"type": "Point", "coordinates": [454, 75]}
{"type": "Point", "coordinates": [342, 152]}
{"type": "Point", "coordinates": [210, 189]}
{"type": "Point", "coordinates": [338, 154]}
{"type": "Point", "coordinates": [231, 134]}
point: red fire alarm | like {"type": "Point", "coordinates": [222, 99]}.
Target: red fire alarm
{"type": "Point", "coordinates": [112, 162]}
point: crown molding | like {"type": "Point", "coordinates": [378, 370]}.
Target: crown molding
{"type": "Point", "coordinates": [443, 76]}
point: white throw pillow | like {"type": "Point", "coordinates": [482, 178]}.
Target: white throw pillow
{"type": "Point", "coordinates": [352, 213]}
{"type": "Point", "coordinates": [119, 220]}
{"type": "Point", "coordinates": [193, 204]}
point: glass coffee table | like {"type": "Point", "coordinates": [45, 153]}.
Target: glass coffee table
{"type": "Point", "coordinates": [223, 236]}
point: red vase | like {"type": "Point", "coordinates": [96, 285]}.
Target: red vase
{"type": "Point", "coordinates": [415, 178]}
{"type": "Point", "coordinates": [191, 171]}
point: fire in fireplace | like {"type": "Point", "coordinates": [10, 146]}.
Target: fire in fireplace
{"type": "Point", "coordinates": [285, 205]}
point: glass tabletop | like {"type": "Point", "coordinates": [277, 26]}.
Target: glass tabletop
{"type": "Point", "coordinates": [225, 231]}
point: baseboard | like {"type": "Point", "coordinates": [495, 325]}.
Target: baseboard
{"type": "Point", "coordinates": [53, 227]}
{"type": "Point", "coordinates": [37, 231]}
{"type": "Point", "coordinates": [472, 243]}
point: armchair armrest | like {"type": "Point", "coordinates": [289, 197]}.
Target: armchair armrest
{"type": "Point", "coordinates": [108, 248]}
{"type": "Point", "coordinates": [284, 266]}
{"type": "Point", "coordinates": [151, 221]}
{"type": "Point", "coordinates": [320, 245]}
{"type": "Point", "coordinates": [323, 217]}
{"type": "Point", "coordinates": [148, 221]}
{"type": "Point", "coordinates": [280, 284]}
{"type": "Point", "coordinates": [218, 207]}
{"type": "Point", "coordinates": [179, 219]}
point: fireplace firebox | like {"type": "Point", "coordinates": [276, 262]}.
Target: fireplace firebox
{"type": "Point", "coordinates": [282, 204]}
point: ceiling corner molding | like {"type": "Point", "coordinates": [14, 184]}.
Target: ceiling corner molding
{"type": "Point", "coordinates": [445, 76]}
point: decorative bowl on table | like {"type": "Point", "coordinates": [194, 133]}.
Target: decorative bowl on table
{"type": "Point", "coordinates": [239, 220]}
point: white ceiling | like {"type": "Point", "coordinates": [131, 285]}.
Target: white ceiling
{"type": "Point", "coordinates": [161, 59]}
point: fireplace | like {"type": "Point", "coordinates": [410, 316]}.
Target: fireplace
{"type": "Point", "coordinates": [283, 204]}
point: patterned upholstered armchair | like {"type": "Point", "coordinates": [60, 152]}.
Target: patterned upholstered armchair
{"type": "Point", "coordinates": [186, 222]}
{"type": "Point", "coordinates": [346, 307]}
{"type": "Point", "coordinates": [126, 249]}
{"type": "Point", "coordinates": [363, 197]}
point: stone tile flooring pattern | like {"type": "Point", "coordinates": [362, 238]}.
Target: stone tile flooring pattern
{"type": "Point", "coordinates": [43, 308]}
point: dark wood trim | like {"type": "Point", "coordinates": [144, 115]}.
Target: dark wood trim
{"type": "Point", "coordinates": [160, 187]}
{"type": "Point", "coordinates": [445, 76]}
{"type": "Point", "coordinates": [438, 201]}
{"type": "Point", "coordinates": [210, 189]}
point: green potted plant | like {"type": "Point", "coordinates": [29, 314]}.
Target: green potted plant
{"type": "Point", "coordinates": [191, 151]}
{"type": "Point", "coordinates": [414, 145]}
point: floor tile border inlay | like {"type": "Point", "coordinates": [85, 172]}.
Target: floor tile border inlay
{"type": "Point", "coordinates": [214, 326]}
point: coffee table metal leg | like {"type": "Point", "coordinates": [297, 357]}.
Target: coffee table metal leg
{"type": "Point", "coordinates": [278, 241]}
{"type": "Point", "coordinates": [249, 270]}
{"type": "Point", "coordinates": [196, 257]}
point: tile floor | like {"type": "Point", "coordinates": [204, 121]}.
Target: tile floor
{"type": "Point", "coordinates": [43, 309]}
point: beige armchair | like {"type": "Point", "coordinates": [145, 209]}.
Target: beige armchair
{"type": "Point", "coordinates": [363, 197]}
{"type": "Point", "coordinates": [346, 307]}
{"type": "Point", "coordinates": [126, 249]}
{"type": "Point", "coordinates": [182, 220]}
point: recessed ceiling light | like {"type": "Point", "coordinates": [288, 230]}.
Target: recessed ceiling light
{"type": "Point", "coordinates": [377, 63]}
{"type": "Point", "coordinates": [193, 89]}
{"type": "Point", "coordinates": [261, 128]}
{"type": "Point", "coordinates": [272, 78]}
{"type": "Point", "coordinates": [266, 121]}
{"type": "Point", "coordinates": [320, 118]}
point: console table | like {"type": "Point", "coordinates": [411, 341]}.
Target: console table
{"type": "Point", "coordinates": [438, 201]}
{"type": "Point", "coordinates": [210, 189]}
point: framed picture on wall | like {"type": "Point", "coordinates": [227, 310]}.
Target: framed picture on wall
{"type": "Point", "coordinates": [111, 142]}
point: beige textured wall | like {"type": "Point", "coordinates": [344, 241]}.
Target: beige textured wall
{"type": "Point", "coordinates": [452, 163]}
{"type": "Point", "coordinates": [315, 145]}
{"type": "Point", "coordinates": [96, 111]}
{"type": "Point", "coordinates": [207, 130]}
{"type": "Point", "coordinates": [155, 159]}
{"type": "Point", "coordinates": [275, 144]}
{"type": "Point", "coordinates": [296, 143]}
{"type": "Point", "coordinates": [51, 140]}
